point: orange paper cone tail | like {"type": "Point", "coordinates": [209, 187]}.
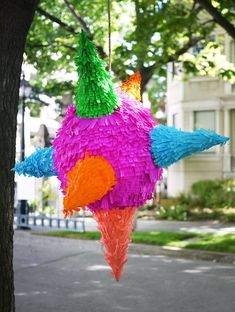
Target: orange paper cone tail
{"type": "Point", "coordinates": [115, 226]}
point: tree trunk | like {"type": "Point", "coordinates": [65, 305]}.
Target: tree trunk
{"type": "Point", "coordinates": [15, 19]}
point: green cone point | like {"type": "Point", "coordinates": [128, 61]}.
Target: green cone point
{"type": "Point", "coordinates": [95, 95]}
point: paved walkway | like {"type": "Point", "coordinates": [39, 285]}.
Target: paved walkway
{"type": "Point", "coordinates": [152, 225]}
{"type": "Point", "coordinates": [63, 275]}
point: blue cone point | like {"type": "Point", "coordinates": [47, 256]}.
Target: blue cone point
{"type": "Point", "coordinates": [168, 145]}
{"type": "Point", "coordinates": [39, 164]}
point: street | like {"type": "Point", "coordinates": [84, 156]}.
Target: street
{"type": "Point", "coordinates": [54, 274]}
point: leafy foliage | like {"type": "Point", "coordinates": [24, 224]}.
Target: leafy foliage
{"type": "Point", "coordinates": [175, 212]}
{"type": "Point", "coordinates": [147, 34]}
{"type": "Point", "coordinates": [214, 193]}
{"type": "Point", "coordinates": [48, 198]}
{"type": "Point", "coordinates": [207, 200]}
{"type": "Point", "coordinates": [210, 61]}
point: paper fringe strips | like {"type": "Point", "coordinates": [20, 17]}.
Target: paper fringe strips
{"type": "Point", "coordinates": [170, 145]}
{"type": "Point", "coordinates": [132, 86]}
{"type": "Point", "coordinates": [88, 181]}
{"type": "Point", "coordinates": [39, 164]}
{"type": "Point", "coordinates": [104, 156]}
{"type": "Point", "coordinates": [115, 226]}
{"type": "Point", "coordinates": [95, 94]}
{"type": "Point", "coordinates": [123, 140]}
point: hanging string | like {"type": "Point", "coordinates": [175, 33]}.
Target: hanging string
{"type": "Point", "coordinates": [109, 31]}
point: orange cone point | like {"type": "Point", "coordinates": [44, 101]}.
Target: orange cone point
{"type": "Point", "coordinates": [132, 86]}
{"type": "Point", "coordinates": [115, 226]}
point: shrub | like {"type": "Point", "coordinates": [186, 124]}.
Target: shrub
{"type": "Point", "coordinates": [208, 200]}
{"type": "Point", "coordinates": [186, 199]}
{"type": "Point", "coordinates": [213, 193]}
{"type": "Point", "coordinates": [176, 212]}
{"type": "Point", "coordinates": [229, 192]}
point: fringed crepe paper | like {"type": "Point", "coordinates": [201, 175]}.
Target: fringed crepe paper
{"type": "Point", "coordinates": [115, 226]}
{"type": "Point", "coordinates": [103, 153]}
{"type": "Point", "coordinates": [95, 94]}
{"type": "Point", "coordinates": [170, 145]}
{"type": "Point", "coordinates": [88, 181]}
{"type": "Point", "coordinates": [39, 164]}
{"type": "Point", "coordinates": [132, 86]}
{"type": "Point", "coordinates": [123, 139]}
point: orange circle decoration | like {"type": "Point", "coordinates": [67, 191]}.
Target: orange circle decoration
{"type": "Point", "coordinates": [88, 181]}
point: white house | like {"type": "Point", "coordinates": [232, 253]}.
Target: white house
{"type": "Point", "coordinates": [202, 102]}
{"type": "Point", "coordinates": [28, 187]}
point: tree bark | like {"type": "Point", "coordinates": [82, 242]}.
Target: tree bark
{"type": "Point", "coordinates": [15, 19]}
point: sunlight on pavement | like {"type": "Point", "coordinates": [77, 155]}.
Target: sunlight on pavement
{"type": "Point", "coordinates": [97, 268]}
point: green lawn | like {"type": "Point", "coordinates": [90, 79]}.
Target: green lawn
{"type": "Point", "coordinates": [149, 238]}
{"type": "Point", "coordinates": [224, 243]}
{"type": "Point", "coordinates": [75, 235]}
{"type": "Point", "coordinates": [161, 238]}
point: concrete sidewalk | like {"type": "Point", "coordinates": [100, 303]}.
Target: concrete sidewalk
{"type": "Point", "coordinates": [66, 275]}
{"type": "Point", "coordinates": [162, 225]}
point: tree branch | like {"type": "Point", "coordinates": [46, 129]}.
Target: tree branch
{"type": "Point", "coordinates": [192, 42]}
{"type": "Point", "coordinates": [78, 19]}
{"type": "Point", "coordinates": [57, 21]}
{"type": "Point", "coordinates": [137, 13]}
{"type": "Point", "coordinates": [208, 22]}
{"type": "Point", "coordinates": [196, 9]}
{"type": "Point", "coordinates": [84, 26]}
{"type": "Point", "coordinates": [69, 28]}
{"type": "Point", "coordinates": [218, 17]}
{"type": "Point", "coordinates": [147, 72]}
{"type": "Point", "coordinates": [39, 45]}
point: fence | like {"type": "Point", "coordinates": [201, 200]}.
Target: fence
{"type": "Point", "coordinates": [31, 221]}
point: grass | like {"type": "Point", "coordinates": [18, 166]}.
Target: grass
{"type": "Point", "coordinates": [161, 238]}
{"type": "Point", "coordinates": [224, 243]}
{"type": "Point", "coordinates": [149, 238]}
{"type": "Point", "coordinates": [210, 242]}
{"type": "Point", "coordinates": [75, 235]}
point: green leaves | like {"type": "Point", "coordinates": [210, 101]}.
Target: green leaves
{"type": "Point", "coordinates": [144, 32]}
{"type": "Point", "coordinates": [210, 61]}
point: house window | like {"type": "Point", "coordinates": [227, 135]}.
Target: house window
{"type": "Point", "coordinates": [204, 119]}
{"type": "Point", "coordinates": [197, 48]}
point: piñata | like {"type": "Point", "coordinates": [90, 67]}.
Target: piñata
{"type": "Point", "coordinates": [108, 153]}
